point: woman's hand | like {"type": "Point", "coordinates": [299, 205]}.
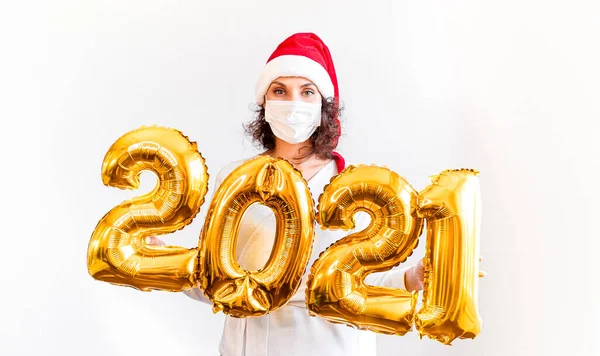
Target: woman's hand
{"type": "Point", "coordinates": [415, 276]}
{"type": "Point", "coordinates": [155, 241]}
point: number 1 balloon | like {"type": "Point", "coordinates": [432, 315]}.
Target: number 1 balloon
{"type": "Point", "coordinates": [452, 207]}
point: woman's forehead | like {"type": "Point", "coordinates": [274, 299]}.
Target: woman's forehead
{"type": "Point", "coordinates": [292, 80]}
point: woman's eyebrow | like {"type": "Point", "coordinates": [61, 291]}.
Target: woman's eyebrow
{"type": "Point", "coordinates": [307, 84]}
{"type": "Point", "coordinates": [278, 83]}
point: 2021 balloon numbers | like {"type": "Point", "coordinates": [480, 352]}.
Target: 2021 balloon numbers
{"type": "Point", "coordinates": [336, 290]}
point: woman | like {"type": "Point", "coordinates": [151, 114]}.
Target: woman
{"type": "Point", "coordinates": [298, 120]}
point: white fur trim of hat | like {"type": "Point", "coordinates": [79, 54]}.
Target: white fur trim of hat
{"type": "Point", "coordinates": [293, 66]}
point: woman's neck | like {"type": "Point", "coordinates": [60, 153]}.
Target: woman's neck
{"type": "Point", "coordinates": [299, 155]}
{"type": "Point", "coordinates": [295, 153]}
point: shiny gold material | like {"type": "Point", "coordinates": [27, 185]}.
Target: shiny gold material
{"type": "Point", "coordinates": [237, 292]}
{"type": "Point", "coordinates": [335, 289]}
{"type": "Point", "coordinates": [116, 252]}
{"type": "Point", "coordinates": [452, 207]}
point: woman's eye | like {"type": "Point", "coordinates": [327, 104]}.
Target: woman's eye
{"type": "Point", "coordinates": [308, 92]}
{"type": "Point", "coordinates": [278, 91]}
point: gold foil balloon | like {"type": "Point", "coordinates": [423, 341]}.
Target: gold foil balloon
{"type": "Point", "coordinates": [336, 290]}
{"type": "Point", "coordinates": [240, 293]}
{"type": "Point", "coordinates": [452, 207]}
{"type": "Point", "coordinates": [116, 252]}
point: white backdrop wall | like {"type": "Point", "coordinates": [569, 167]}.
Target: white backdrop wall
{"type": "Point", "coordinates": [510, 88]}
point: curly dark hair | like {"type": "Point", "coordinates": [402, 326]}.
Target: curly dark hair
{"type": "Point", "coordinates": [323, 140]}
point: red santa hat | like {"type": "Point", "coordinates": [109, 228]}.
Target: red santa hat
{"type": "Point", "coordinates": [302, 55]}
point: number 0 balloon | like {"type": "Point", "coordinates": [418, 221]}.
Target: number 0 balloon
{"type": "Point", "coordinates": [276, 184]}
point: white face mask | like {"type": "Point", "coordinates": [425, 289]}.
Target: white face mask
{"type": "Point", "coordinates": [293, 121]}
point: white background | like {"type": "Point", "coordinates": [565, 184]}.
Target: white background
{"type": "Point", "coordinates": [510, 88]}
